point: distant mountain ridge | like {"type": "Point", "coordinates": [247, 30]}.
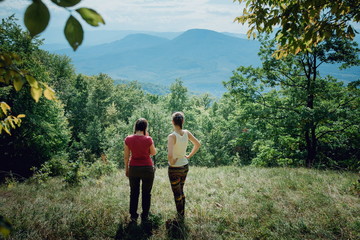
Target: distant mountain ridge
{"type": "Point", "coordinates": [202, 58]}
{"type": "Point", "coordinates": [131, 42]}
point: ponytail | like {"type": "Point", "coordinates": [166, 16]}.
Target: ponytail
{"type": "Point", "coordinates": [178, 119]}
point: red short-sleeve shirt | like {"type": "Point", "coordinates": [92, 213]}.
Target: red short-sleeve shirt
{"type": "Point", "coordinates": [139, 146]}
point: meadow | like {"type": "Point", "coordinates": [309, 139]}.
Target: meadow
{"type": "Point", "coordinates": [222, 203]}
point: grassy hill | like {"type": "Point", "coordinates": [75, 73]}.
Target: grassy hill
{"type": "Point", "coordinates": [222, 203]}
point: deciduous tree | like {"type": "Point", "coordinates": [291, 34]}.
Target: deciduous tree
{"type": "Point", "coordinates": [301, 24]}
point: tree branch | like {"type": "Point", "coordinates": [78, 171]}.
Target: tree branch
{"type": "Point", "coordinates": [334, 131]}
{"type": "Point", "coordinates": [275, 107]}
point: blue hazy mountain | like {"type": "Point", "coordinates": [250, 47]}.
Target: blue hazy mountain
{"type": "Point", "coordinates": [54, 38]}
{"type": "Point", "coordinates": [131, 42]}
{"type": "Point", "coordinates": [203, 59]}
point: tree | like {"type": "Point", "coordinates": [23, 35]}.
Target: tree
{"type": "Point", "coordinates": [204, 100]}
{"type": "Point", "coordinates": [15, 45]}
{"type": "Point", "coordinates": [293, 97]}
{"type": "Point", "coordinates": [99, 114]}
{"type": "Point", "coordinates": [44, 134]}
{"type": "Point", "coordinates": [93, 103]}
{"type": "Point", "coordinates": [45, 131]}
{"type": "Point", "coordinates": [36, 19]}
{"type": "Point", "coordinates": [128, 97]}
{"type": "Point", "coordinates": [178, 96]}
{"type": "Point", "coordinates": [61, 74]}
{"type": "Point", "coordinates": [302, 24]}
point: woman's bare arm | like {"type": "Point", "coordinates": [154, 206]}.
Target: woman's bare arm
{"type": "Point", "coordinates": [126, 159]}
{"type": "Point", "coordinates": [170, 146]}
{"type": "Point", "coordinates": [152, 150]}
{"type": "Point", "coordinates": [196, 143]}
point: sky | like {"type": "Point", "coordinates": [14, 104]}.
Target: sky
{"type": "Point", "coordinates": [145, 15]}
{"type": "Point", "coordinates": [139, 15]}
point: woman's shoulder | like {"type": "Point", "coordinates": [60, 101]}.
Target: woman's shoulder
{"type": "Point", "coordinates": [148, 138]}
{"type": "Point", "coordinates": [172, 135]}
{"type": "Point", "coordinates": [128, 139]}
{"type": "Point", "coordinates": [130, 136]}
{"type": "Point", "coordinates": [188, 133]}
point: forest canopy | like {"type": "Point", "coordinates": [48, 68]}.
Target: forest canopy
{"type": "Point", "coordinates": [285, 113]}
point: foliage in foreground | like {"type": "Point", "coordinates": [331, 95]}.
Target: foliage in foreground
{"type": "Point", "coordinates": [222, 203]}
{"type": "Point", "coordinates": [301, 24]}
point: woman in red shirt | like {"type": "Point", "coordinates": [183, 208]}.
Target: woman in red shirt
{"type": "Point", "coordinates": [139, 167]}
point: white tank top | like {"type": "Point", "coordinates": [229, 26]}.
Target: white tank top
{"type": "Point", "coordinates": [179, 150]}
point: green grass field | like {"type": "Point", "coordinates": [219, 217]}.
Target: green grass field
{"type": "Point", "coordinates": [222, 203]}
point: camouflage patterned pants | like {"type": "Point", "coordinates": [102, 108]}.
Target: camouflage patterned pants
{"type": "Point", "coordinates": [177, 177]}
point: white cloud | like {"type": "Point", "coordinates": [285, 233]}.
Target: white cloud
{"type": "Point", "coordinates": [146, 15]}
{"type": "Point", "coordinates": [168, 15]}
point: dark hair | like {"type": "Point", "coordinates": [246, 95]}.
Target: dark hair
{"type": "Point", "coordinates": [140, 125]}
{"type": "Point", "coordinates": [178, 119]}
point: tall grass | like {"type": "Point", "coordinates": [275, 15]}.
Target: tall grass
{"type": "Point", "coordinates": [221, 203]}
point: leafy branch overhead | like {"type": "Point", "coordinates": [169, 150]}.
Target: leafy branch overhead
{"type": "Point", "coordinates": [301, 24]}
{"type": "Point", "coordinates": [37, 17]}
{"type": "Point", "coordinates": [10, 74]}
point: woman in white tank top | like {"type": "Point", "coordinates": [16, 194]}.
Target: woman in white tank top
{"type": "Point", "coordinates": [178, 160]}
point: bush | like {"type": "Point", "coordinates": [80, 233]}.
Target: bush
{"type": "Point", "coordinates": [58, 165]}
{"type": "Point", "coordinates": [79, 171]}
{"type": "Point", "coordinates": [73, 176]}
{"type": "Point", "coordinates": [99, 168]}
{"type": "Point", "coordinates": [86, 156]}
{"type": "Point", "coordinates": [266, 154]}
{"type": "Point", "coordinates": [40, 175]}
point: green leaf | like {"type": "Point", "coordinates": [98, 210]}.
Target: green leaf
{"type": "Point", "coordinates": [90, 16]}
{"type": "Point", "coordinates": [36, 93]}
{"type": "Point", "coordinates": [32, 81]}
{"type": "Point", "coordinates": [18, 83]}
{"type": "Point", "coordinates": [36, 18]}
{"type": "Point", "coordinates": [6, 128]}
{"type": "Point", "coordinates": [74, 32]}
{"type": "Point", "coordinates": [11, 123]}
{"type": "Point", "coordinates": [4, 107]}
{"type": "Point", "coordinates": [49, 94]}
{"type": "Point", "coordinates": [6, 59]}
{"type": "Point", "coordinates": [278, 35]}
{"type": "Point", "coordinates": [66, 3]}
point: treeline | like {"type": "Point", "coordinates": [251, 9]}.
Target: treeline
{"type": "Point", "coordinates": [282, 114]}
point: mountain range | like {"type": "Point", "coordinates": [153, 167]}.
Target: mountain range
{"type": "Point", "coordinates": [201, 58]}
